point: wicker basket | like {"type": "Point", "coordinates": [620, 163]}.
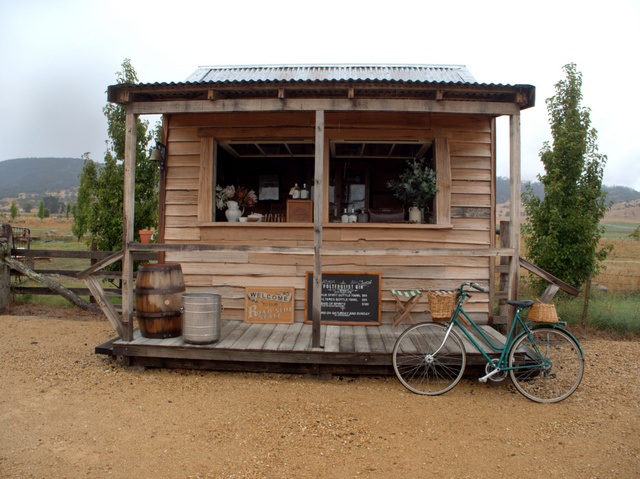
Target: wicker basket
{"type": "Point", "coordinates": [543, 313]}
{"type": "Point", "coordinates": [441, 305]}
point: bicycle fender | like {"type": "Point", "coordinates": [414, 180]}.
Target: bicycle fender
{"type": "Point", "coordinates": [553, 326]}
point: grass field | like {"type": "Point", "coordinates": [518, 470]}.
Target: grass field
{"type": "Point", "coordinates": [618, 229]}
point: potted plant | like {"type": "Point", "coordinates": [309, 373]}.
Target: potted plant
{"type": "Point", "coordinates": [145, 235]}
{"type": "Point", "coordinates": [416, 186]}
{"type": "Point", "coordinates": [234, 200]}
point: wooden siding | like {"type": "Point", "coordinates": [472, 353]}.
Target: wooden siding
{"type": "Point", "coordinates": [470, 144]}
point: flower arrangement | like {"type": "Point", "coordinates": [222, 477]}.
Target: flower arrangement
{"type": "Point", "coordinates": [417, 184]}
{"type": "Point", "coordinates": [241, 195]}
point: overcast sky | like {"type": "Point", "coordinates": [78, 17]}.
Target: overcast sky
{"type": "Point", "coordinates": [58, 57]}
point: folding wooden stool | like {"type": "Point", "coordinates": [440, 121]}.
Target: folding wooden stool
{"type": "Point", "coordinates": [404, 307]}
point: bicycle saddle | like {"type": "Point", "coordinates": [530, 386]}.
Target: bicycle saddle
{"type": "Point", "coordinates": [521, 304]}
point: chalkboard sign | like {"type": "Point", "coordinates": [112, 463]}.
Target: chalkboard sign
{"type": "Point", "coordinates": [347, 298]}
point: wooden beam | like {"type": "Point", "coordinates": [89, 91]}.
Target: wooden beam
{"type": "Point", "coordinates": [443, 171]}
{"type": "Point", "coordinates": [117, 256]}
{"type": "Point", "coordinates": [257, 133]}
{"type": "Point", "coordinates": [549, 277]}
{"type": "Point", "coordinates": [329, 251]}
{"type": "Point", "coordinates": [128, 223]}
{"type": "Point", "coordinates": [206, 181]}
{"type": "Point", "coordinates": [514, 198]}
{"type": "Point", "coordinates": [162, 188]}
{"type": "Point", "coordinates": [107, 307]}
{"type": "Point", "coordinates": [318, 183]}
{"type": "Point", "coordinates": [334, 104]}
{"type": "Point", "coordinates": [51, 284]}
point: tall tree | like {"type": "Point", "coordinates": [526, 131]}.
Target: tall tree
{"type": "Point", "coordinates": [14, 210]}
{"type": "Point", "coordinates": [86, 197]}
{"type": "Point", "coordinates": [41, 210]}
{"type": "Point", "coordinates": [563, 233]}
{"type": "Point", "coordinates": [99, 207]}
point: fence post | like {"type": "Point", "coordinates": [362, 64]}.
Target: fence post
{"type": "Point", "coordinates": [587, 292]}
{"type": "Point", "coordinates": [94, 247]}
{"type": "Point", "coordinates": [6, 243]}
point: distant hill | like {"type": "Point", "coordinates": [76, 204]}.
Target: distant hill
{"type": "Point", "coordinates": [39, 177]}
{"type": "Point", "coordinates": [617, 194]}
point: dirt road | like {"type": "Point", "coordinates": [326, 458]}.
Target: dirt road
{"type": "Point", "coordinates": [65, 412]}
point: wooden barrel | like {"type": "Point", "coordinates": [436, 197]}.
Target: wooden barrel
{"type": "Point", "coordinates": [159, 288]}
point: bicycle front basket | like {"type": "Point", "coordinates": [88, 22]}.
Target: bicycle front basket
{"type": "Point", "coordinates": [543, 313]}
{"type": "Point", "coordinates": [441, 304]}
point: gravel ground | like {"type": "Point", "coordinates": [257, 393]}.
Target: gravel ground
{"type": "Point", "coordinates": [66, 412]}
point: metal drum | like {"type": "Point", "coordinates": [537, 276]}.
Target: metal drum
{"type": "Point", "coordinates": [200, 318]}
{"type": "Point", "coordinates": [158, 290]}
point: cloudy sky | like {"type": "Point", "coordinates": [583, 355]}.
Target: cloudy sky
{"type": "Point", "coordinates": [58, 57]}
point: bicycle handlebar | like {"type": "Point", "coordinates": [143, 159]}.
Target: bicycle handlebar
{"type": "Point", "coordinates": [478, 287]}
{"type": "Point", "coordinates": [475, 286]}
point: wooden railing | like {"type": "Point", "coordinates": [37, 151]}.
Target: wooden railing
{"type": "Point", "coordinates": [32, 258]}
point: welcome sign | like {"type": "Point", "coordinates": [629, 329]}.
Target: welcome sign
{"type": "Point", "coordinates": [268, 305]}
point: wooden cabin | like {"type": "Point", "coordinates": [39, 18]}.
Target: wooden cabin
{"type": "Point", "coordinates": [344, 132]}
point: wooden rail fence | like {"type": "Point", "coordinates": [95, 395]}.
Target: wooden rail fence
{"type": "Point", "coordinates": [32, 258]}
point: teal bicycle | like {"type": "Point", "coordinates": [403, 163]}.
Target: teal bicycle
{"type": "Point", "coordinates": [545, 362]}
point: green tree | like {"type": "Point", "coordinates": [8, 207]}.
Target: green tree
{"type": "Point", "coordinates": [68, 212]}
{"type": "Point", "coordinates": [41, 210]}
{"type": "Point", "coordinates": [563, 233]}
{"type": "Point", "coordinates": [86, 197]}
{"type": "Point", "coordinates": [27, 206]}
{"type": "Point", "coordinates": [99, 204]}
{"type": "Point", "coordinates": [14, 210]}
{"type": "Point", "coordinates": [636, 234]}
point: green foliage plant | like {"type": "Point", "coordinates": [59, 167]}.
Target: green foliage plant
{"type": "Point", "coordinates": [99, 207]}
{"type": "Point", "coordinates": [417, 184]}
{"type": "Point", "coordinates": [636, 234]}
{"type": "Point", "coordinates": [563, 232]}
{"type": "Point", "coordinates": [86, 197]}
{"type": "Point", "coordinates": [41, 210]}
{"type": "Point", "coordinates": [14, 210]}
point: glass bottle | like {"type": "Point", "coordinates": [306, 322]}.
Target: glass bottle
{"type": "Point", "coordinates": [296, 192]}
{"type": "Point", "coordinates": [304, 194]}
{"type": "Point", "coordinates": [353, 218]}
{"type": "Point", "coordinates": [345, 216]}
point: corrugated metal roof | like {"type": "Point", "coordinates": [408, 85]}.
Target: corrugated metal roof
{"type": "Point", "coordinates": [305, 73]}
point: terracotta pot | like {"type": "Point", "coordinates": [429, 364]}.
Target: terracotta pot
{"type": "Point", "coordinates": [145, 236]}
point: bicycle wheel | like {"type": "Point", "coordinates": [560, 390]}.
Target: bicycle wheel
{"type": "Point", "coordinates": [550, 364]}
{"type": "Point", "coordinates": [426, 365]}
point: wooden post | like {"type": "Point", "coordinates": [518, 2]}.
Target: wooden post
{"type": "Point", "coordinates": [162, 188]}
{"type": "Point", "coordinates": [318, 187]}
{"type": "Point", "coordinates": [505, 263]}
{"type": "Point", "coordinates": [6, 243]}
{"type": "Point", "coordinates": [514, 198]}
{"type": "Point", "coordinates": [128, 224]}
{"type": "Point", "coordinates": [443, 171]}
{"type": "Point", "coordinates": [94, 247]}
{"type": "Point", "coordinates": [207, 185]}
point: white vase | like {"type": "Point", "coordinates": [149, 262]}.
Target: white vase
{"type": "Point", "coordinates": [233, 212]}
{"type": "Point", "coordinates": [415, 215]}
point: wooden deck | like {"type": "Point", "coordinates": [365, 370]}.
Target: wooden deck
{"type": "Point", "coordinates": [281, 348]}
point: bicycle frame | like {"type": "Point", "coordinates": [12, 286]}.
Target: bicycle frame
{"type": "Point", "coordinates": [501, 365]}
